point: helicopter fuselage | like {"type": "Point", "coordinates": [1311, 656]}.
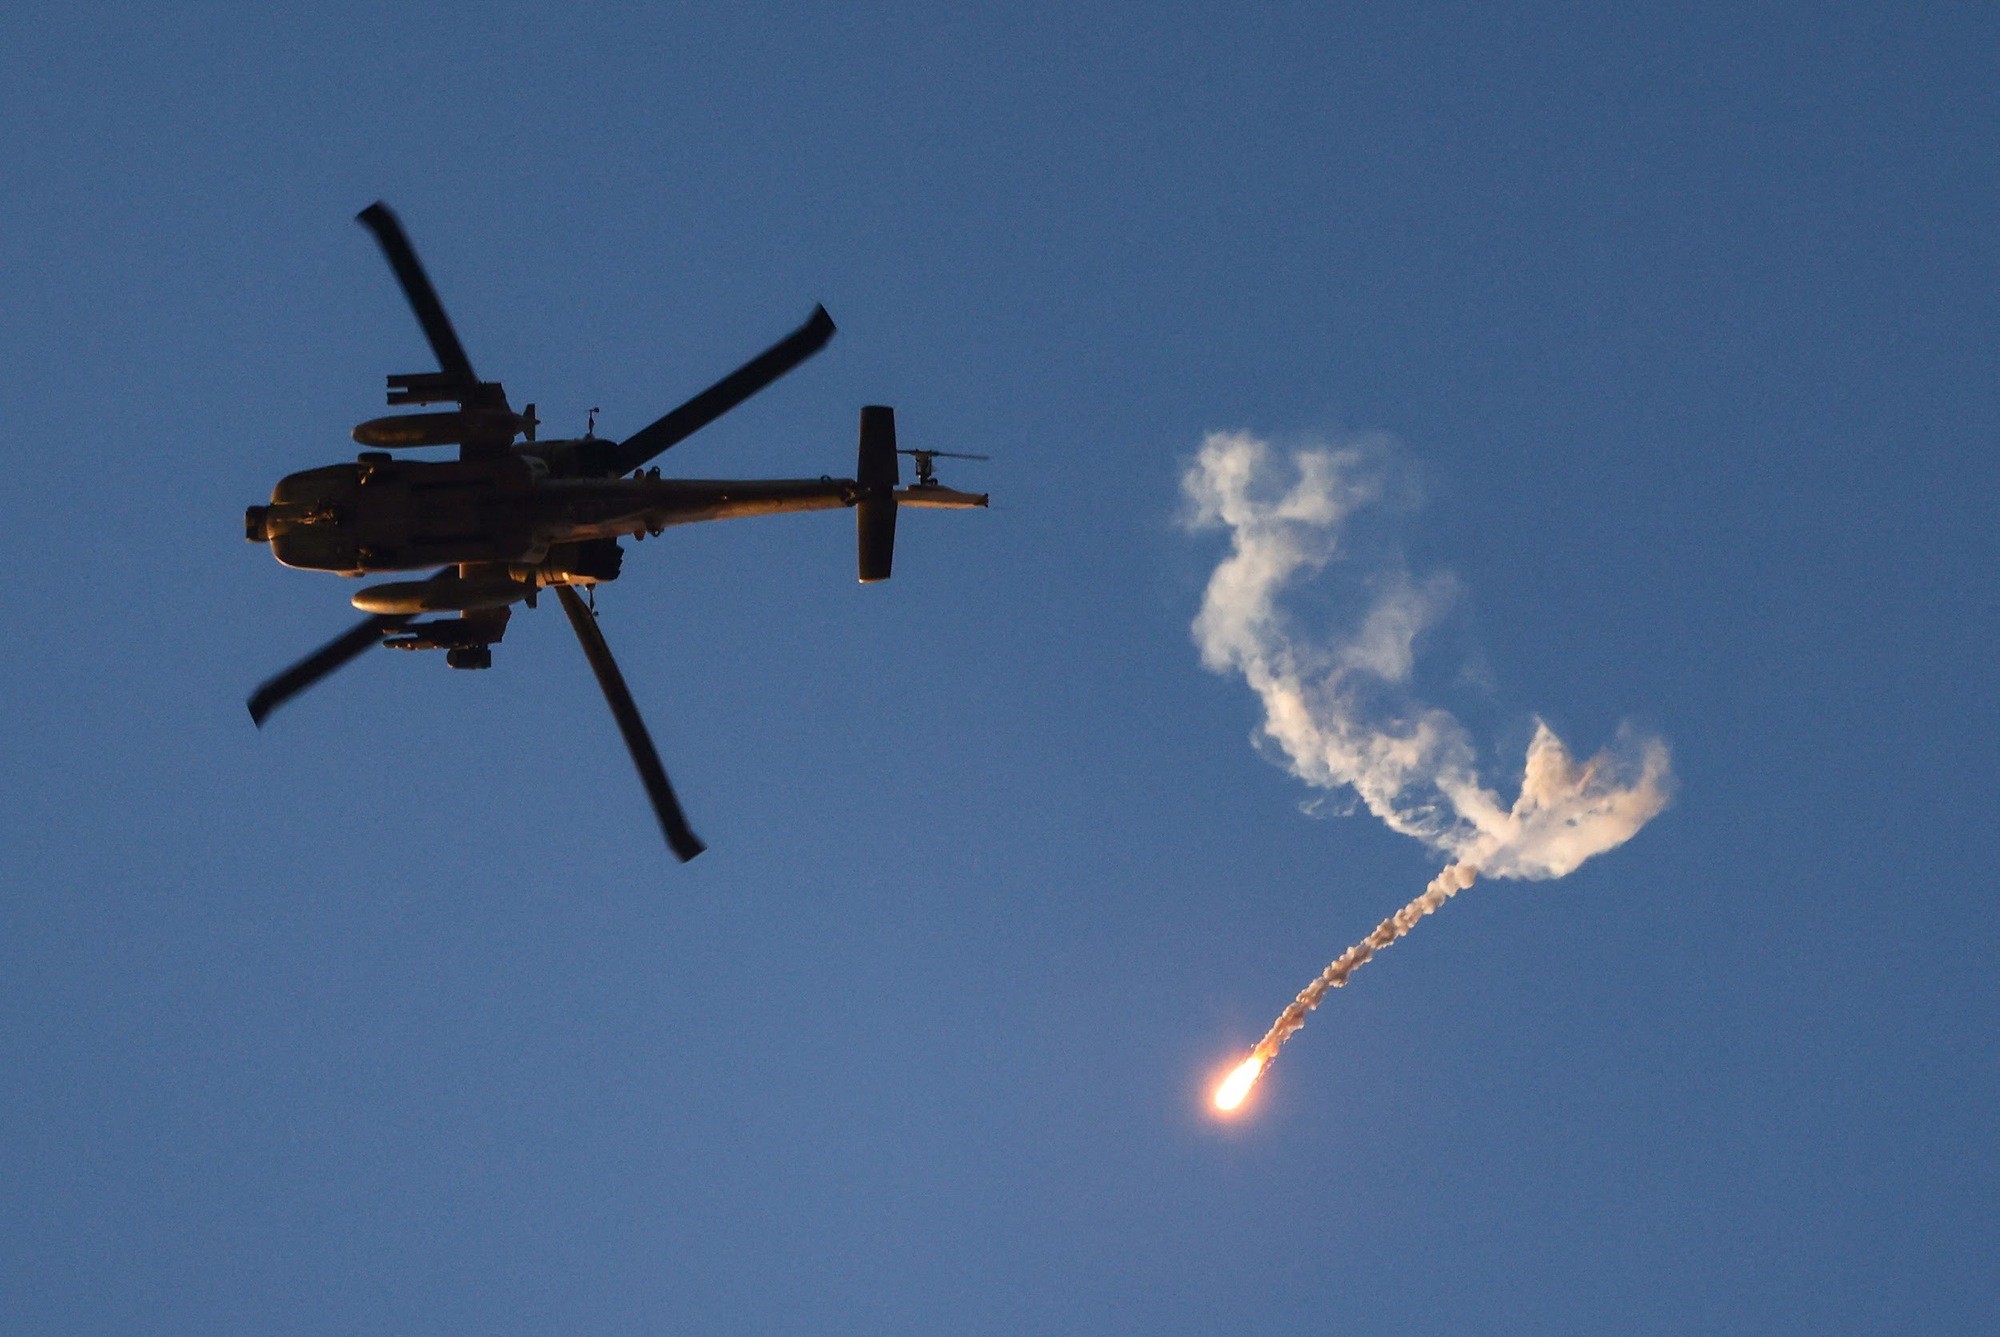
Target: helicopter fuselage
{"type": "Point", "coordinates": [383, 514]}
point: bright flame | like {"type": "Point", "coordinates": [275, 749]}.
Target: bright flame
{"type": "Point", "coordinates": [1238, 1083]}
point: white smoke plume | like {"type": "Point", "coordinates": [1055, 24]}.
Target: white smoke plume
{"type": "Point", "coordinates": [1340, 709]}
{"type": "Point", "coordinates": [1342, 713]}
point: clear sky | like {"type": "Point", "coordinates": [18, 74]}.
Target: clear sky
{"type": "Point", "coordinates": [396, 1016]}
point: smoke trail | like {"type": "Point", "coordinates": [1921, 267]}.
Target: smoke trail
{"type": "Point", "coordinates": [1341, 714]}
{"type": "Point", "coordinates": [1454, 879]}
{"type": "Point", "coordinates": [1234, 1088]}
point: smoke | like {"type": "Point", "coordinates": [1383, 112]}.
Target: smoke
{"type": "Point", "coordinates": [1339, 710]}
{"type": "Point", "coordinates": [1341, 714]}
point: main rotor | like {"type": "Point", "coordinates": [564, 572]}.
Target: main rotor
{"type": "Point", "coordinates": [484, 426]}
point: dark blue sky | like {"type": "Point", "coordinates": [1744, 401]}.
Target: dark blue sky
{"type": "Point", "coordinates": [396, 1017]}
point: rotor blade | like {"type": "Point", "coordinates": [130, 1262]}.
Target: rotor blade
{"type": "Point", "coordinates": [673, 823]}
{"type": "Point", "coordinates": [723, 396]}
{"type": "Point", "coordinates": [417, 287]}
{"type": "Point", "coordinates": [276, 691]}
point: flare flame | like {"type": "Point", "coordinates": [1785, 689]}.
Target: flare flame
{"type": "Point", "coordinates": [1237, 1084]}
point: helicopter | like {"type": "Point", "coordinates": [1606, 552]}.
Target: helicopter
{"type": "Point", "coordinates": [510, 518]}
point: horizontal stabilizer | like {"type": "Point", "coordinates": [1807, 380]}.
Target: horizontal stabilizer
{"type": "Point", "coordinates": [940, 498]}
{"type": "Point", "coordinates": [875, 478]}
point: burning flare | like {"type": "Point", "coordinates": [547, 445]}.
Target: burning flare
{"type": "Point", "coordinates": [1238, 1083]}
{"type": "Point", "coordinates": [1454, 879]}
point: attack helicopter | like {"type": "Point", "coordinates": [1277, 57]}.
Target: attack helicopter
{"type": "Point", "coordinates": [510, 518]}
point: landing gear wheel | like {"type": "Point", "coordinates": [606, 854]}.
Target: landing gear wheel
{"type": "Point", "coordinates": [470, 656]}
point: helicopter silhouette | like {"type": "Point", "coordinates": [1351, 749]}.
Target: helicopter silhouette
{"type": "Point", "coordinates": [509, 518]}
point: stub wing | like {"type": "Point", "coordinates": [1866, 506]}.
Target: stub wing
{"type": "Point", "coordinates": [484, 425]}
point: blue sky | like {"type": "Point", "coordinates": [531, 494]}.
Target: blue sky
{"type": "Point", "coordinates": [395, 1016]}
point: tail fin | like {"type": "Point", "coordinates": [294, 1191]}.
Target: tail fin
{"type": "Point", "coordinates": [876, 475]}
